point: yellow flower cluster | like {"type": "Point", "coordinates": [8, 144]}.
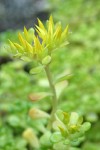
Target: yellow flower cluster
{"type": "Point", "coordinates": [31, 46]}
{"type": "Point", "coordinates": [53, 36]}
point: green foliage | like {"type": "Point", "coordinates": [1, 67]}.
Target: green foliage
{"type": "Point", "coordinates": [82, 59]}
{"type": "Point", "coordinates": [70, 129]}
{"type": "Point", "coordinates": [36, 70]}
{"type": "Point", "coordinates": [80, 62]}
{"type": "Point", "coordinates": [46, 60]}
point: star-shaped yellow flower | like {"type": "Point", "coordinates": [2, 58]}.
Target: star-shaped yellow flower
{"type": "Point", "coordinates": [53, 35]}
{"type": "Point", "coordinates": [31, 46]}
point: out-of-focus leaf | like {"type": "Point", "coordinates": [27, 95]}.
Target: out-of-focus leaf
{"type": "Point", "coordinates": [60, 146]}
{"type": "Point", "coordinates": [73, 118]}
{"type": "Point", "coordinates": [14, 121]}
{"type": "Point", "coordinates": [45, 139]}
{"type": "Point", "coordinates": [92, 117]}
{"type": "Point", "coordinates": [38, 96]}
{"type": "Point", "coordinates": [25, 58]}
{"type": "Point", "coordinates": [36, 70]}
{"type": "Point", "coordinates": [60, 86]}
{"type": "Point", "coordinates": [64, 76]}
{"type": "Point", "coordinates": [46, 60]}
{"type": "Point", "coordinates": [56, 137]}
{"type": "Point", "coordinates": [86, 126]}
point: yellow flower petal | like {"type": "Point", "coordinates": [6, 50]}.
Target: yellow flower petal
{"type": "Point", "coordinates": [40, 31]}
{"type": "Point", "coordinates": [19, 47]}
{"type": "Point", "coordinates": [12, 45]}
{"type": "Point", "coordinates": [21, 39]}
{"type": "Point", "coordinates": [37, 44]}
{"type": "Point", "coordinates": [50, 26]}
{"type": "Point", "coordinates": [64, 33]}
{"type": "Point", "coordinates": [25, 33]}
{"type": "Point", "coordinates": [29, 47]}
{"type": "Point", "coordinates": [41, 25]}
{"type": "Point", "coordinates": [58, 32]}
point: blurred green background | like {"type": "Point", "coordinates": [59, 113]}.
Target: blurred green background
{"type": "Point", "coordinates": [81, 58]}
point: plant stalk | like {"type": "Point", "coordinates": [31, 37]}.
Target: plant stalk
{"type": "Point", "coordinates": [54, 96]}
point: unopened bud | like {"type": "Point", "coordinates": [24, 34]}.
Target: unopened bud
{"type": "Point", "coordinates": [31, 138]}
{"type": "Point", "coordinates": [73, 118]}
{"type": "Point", "coordinates": [35, 113]}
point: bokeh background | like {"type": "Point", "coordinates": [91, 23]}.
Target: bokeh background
{"type": "Point", "coordinates": [80, 58]}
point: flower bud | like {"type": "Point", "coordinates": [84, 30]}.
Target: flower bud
{"type": "Point", "coordinates": [35, 113]}
{"type": "Point", "coordinates": [31, 138]}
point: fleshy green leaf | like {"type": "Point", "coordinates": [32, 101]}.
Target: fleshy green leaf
{"type": "Point", "coordinates": [46, 60]}
{"type": "Point", "coordinates": [60, 87]}
{"type": "Point", "coordinates": [67, 142]}
{"type": "Point", "coordinates": [80, 120]}
{"type": "Point", "coordinates": [36, 70]}
{"type": "Point", "coordinates": [45, 139]}
{"type": "Point", "coordinates": [76, 135]}
{"type": "Point", "coordinates": [59, 125]}
{"type": "Point", "coordinates": [60, 146]}
{"type": "Point", "coordinates": [14, 121]}
{"type": "Point", "coordinates": [56, 137]}
{"type": "Point", "coordinates": [86, 126]}
{"type": "Point", "coordinates": [60, 114]}
{"type": "Point", "coordinates": [74, 118]}
{"type": "Point", "coordinates": [63, 77]}
{"type": "Point", "coordinates": [75, 142]}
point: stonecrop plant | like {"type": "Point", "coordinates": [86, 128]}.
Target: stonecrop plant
{"type": "Point", "coordinates": [63, 131]}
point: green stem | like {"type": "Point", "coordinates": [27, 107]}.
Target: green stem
{"type": "Point", "coordinates": [54, 97]}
